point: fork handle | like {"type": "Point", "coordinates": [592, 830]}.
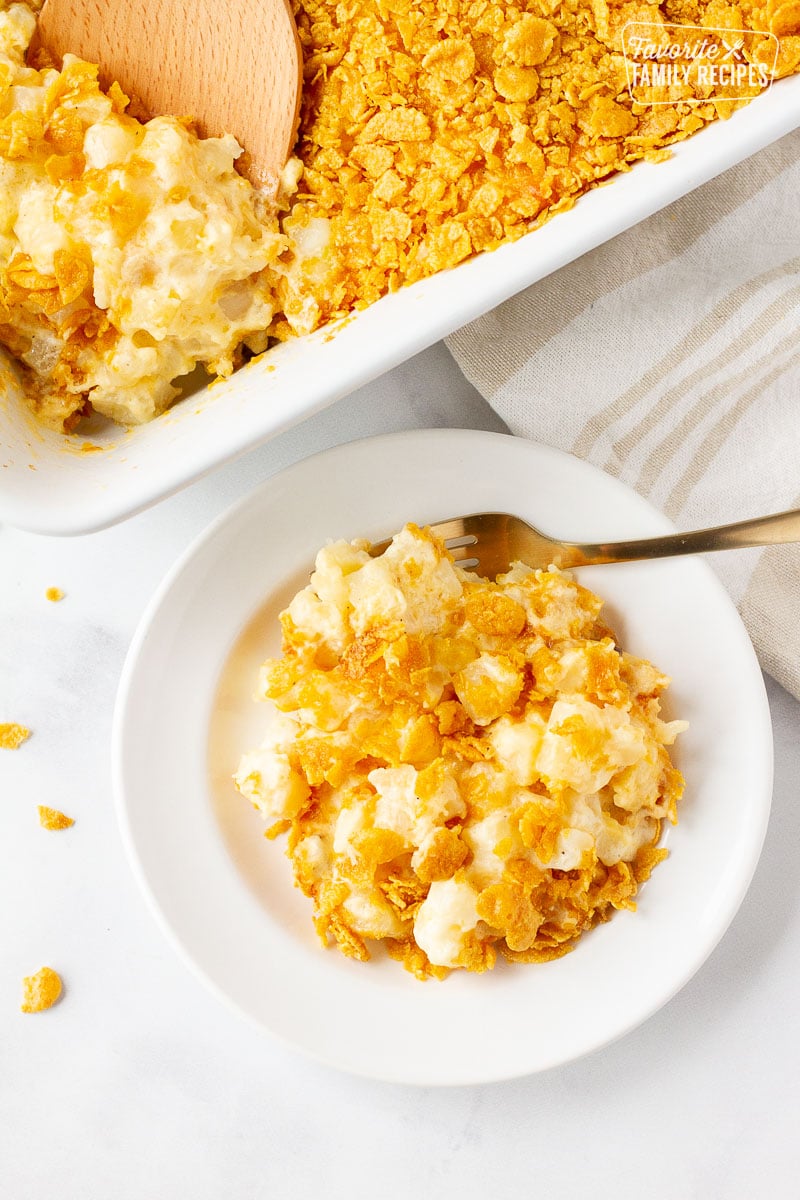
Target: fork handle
{"type": "Point", "coordinates": [760, 531]}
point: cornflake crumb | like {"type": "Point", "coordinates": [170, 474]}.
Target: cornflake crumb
{"type": "Point", "coordinates": [51, 818]}
{"type": "Point", "coordinates": [55, 594]}
{"type": "Point", "coordinates": [40, 991]}
{"type": "Point", "coordinates": [12, 736]}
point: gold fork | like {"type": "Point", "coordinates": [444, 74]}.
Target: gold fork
{"type": "Point", "coordinates": [488, 543]}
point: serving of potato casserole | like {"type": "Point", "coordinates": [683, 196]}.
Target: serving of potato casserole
{"type": "Point", "coordinates": [462, 766]}
{"type": "Point", "coordinates": [130, 251]}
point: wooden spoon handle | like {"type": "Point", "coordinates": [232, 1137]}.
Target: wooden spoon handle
{"type": "Point", "coordinates": [234, 66]}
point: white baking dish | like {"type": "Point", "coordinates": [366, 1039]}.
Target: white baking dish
{"type": "Point", "coordinates": [47, 484]}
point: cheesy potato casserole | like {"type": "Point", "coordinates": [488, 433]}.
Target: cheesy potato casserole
{"type": "Point", "coordinates": [430, 131]}
{"type": "Point", "coordinates": [128, 252]}
{"type": "Point", "coordinates": [462, 767]}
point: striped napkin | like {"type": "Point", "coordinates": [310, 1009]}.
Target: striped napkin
{"type": "Point", "coordinates": [670, 357]}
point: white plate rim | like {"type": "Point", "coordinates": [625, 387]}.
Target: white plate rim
{"type": "Point", "coordinates": [401, 441]}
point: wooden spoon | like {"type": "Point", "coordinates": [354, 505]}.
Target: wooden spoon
{"type": "Point", "coordinates": [234, 66]}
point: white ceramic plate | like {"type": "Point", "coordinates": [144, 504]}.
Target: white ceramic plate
{"type": "Point", "coordinates": [223, 894]}
{"type": "Point", "coordinates": [48, 486]}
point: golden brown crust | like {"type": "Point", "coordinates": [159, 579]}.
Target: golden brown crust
{"type": "Point", "coordinates": [430, 134]}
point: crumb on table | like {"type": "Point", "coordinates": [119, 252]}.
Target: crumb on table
{"type": "Point", "coordinates": [12, 736]}
{"type": "Point", "coordinates": [40, 991]}
{"type": "Point", "coordinates": [51, 818]}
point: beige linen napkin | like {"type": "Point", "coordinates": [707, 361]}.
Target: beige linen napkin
{"type": "Point", "coordinates": [670, 357]}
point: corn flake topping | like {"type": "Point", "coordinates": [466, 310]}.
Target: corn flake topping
{"type": "Point", "coordinates": [432, 131]}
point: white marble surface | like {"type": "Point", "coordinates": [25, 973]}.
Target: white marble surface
{"type": "Point", "coordinates": [140, 1086]}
